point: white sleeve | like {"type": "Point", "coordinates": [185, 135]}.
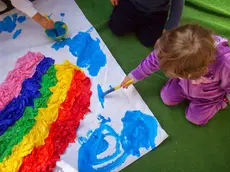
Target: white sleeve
{"type": "Point", "coordinates": [25, 6]}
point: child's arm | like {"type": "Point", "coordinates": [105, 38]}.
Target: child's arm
{"type": "Point", "coordinates": [148, 66]}
{"type": "Point", "coordinates": [175, 14]}
{"type": "Point", "coordinates": [27, 7]}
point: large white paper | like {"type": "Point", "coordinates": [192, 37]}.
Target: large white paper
{"type": "Point", "coordinates": [116, 104]}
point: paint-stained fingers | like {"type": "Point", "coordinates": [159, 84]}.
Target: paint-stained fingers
{"type": "Point", "coordinates": [126, 82]}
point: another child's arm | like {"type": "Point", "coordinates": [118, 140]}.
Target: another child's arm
{"type": "Point", "coordinates": [175, 14]}
{"type": "Point", "coordinates": [149, 65]}
{"type": "Point", "coordinates": [27, 7]}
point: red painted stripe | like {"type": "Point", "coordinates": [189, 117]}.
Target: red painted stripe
{"type": "Point", "coordinates": [63, 130]}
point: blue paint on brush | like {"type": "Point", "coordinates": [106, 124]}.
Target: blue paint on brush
{"type": "Point", "coordinates": [100, 95]}
{"type": "Point", "coordinates": [49, 16]}
{"type": "Point", "coordinates": [18, 32]}
{"type": "Point", "coordinates": [62, 14]}
{"type": "Point", "coordinates": [87, 50]}
{"type": "Point", "coordinates": [139, 131]}
{"type": "Point", "coordinates": [109, 91]}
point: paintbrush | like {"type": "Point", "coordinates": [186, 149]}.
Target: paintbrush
{"type": "Point", "coordinates": [103, 94]}
{"type": "Point", "coordinates": [46, 16]}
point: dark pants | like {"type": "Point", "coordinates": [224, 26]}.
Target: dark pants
{"type": "Point", "coordinates": [148, 27]}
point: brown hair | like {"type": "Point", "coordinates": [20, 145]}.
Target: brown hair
{"type": "Point", "coordinates": [186, 51]}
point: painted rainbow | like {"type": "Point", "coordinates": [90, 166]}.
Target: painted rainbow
{"type": "Point", "coordinates": [41, 106]}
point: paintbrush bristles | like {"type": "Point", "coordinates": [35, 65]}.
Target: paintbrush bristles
{"type": "Point", "coordinates": [109, 91]}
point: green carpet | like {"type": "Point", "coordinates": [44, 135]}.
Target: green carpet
{"type": "Point", "coordinates": [189, 148]}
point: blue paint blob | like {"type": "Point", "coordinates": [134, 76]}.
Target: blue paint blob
{"type": "Point", "coordinates": [21, 19]}
{"type": "Point", "coordinates": [139, 131]}
{"type": "Point", "coordinates": [96, 144]}
{"type": "Point", "coordinates": [18, 32]}
{"type": "Point", "coordinates": [88, 52]}
{"type": "Point", "coordinates": [8, 24]}
{"type": "Point", "coordinates": [62, 14]}
{"type": "Point", "coordinates": [61, 44]}
{"type": "Point", "coordinates": [100, 95]}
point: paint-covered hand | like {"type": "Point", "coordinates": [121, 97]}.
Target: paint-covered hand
{"type": "Point", "coordinates": [114, 2]}
{"type": "Point", "coordinates": [127, 82]}
{"type": "Point", "coordinates": [46, 24]}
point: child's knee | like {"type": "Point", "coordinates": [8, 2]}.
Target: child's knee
{"type": "Point", "coordinates": [166, 98]}
{"type": "Point", "coordinates": [115, 29]}
{"type": "Point", "coordinates": [147, 42]}
{"type": "Point", "coordinates": [198, 118]}
{"type": "Point", "coordinates": [196, 122]}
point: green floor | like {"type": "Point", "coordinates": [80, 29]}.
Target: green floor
{"type": "Point", "coordinates": [189, 148]}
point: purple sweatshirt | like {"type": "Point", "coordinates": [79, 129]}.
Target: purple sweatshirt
{"type": "Point", "coordinates": [218, 76]}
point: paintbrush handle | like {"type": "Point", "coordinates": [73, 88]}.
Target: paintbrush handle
{"type": "Point", "coordinates": [127, 83]}
{"type": "Point", "coordinates": [46, 16]}
{"type": "Point", "coordinates": [118, 87]}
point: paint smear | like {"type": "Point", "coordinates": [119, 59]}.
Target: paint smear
{"type": "Point", "coordinates": [139, 131]}
{"type": "Point", "coordinates": [61, 44]}
{"type": "Point", "coordinates": [102, 119]}
{"type": "Point", "coordinates": [87, 50]}
{"type": "Point", "coordinates": [18, 32]}
{"type": "Point", "coordinates": [100, 95]}
{"type": "Point", "coordinates": [9, 23]}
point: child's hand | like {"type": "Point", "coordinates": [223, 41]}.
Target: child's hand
{"type": "Point", "coordinates": [124, 82]}
{"type": "Point", "coordinates": [114, 2]}
{"type": "Point", "coordinates": [46, 24]}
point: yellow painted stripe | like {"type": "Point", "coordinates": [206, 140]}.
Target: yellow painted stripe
{"type": "Point", "coordinates": [45, 117]}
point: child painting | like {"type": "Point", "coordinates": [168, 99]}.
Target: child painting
{"type": "Point", "coordinates": [198, 65]}
{"type": "Point", "coordinates": [27, 7]}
